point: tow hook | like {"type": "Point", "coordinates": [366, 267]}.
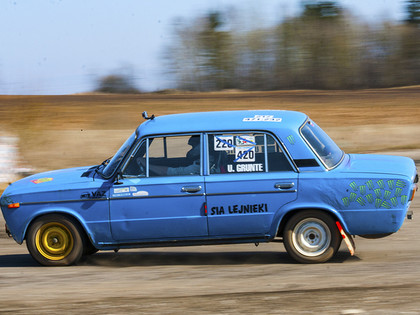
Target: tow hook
{"type": "Point", "coordinates": [410, 214]}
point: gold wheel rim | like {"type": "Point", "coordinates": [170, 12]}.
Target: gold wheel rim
{"type": "Point", "coordinates": [54, 241]}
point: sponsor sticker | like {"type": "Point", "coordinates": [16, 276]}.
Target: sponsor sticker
{"type": "Point", "coordinates": [245, 140]}
{"type": "Point", "coordinates": [42, 180]}
{"type": "Point", "coordinates": [121, 190]}
{"type": "Point", "coordinates": [268, 118]}
{"type": "Point", "coordinates": [141, 193]}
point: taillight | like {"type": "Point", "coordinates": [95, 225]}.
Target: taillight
{"type": "Point", "coordinates": [413, 192]}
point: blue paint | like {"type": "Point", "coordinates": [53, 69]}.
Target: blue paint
{"type": "Point", "coordinates": [369, 194]}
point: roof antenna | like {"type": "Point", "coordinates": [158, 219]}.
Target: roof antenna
{"type": "Point", "coordinates": [144, 114]}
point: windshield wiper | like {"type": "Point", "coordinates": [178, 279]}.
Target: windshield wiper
{"type": "Point", "coordinates": [104, 163]}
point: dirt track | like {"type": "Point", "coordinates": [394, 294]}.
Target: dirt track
{"type": "Point", "coordinates": [382, 278]}
{"type": "Point", "coordinates": [64, 131]}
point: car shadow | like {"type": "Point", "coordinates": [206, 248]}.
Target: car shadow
{"type": "Point", "coordinates": [128, 259]}
{"type": "Point", "coordinates": [17, 260]}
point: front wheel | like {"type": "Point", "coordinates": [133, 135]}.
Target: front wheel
{"type": "Point", "coordinates": [311, 237]}
{"type": "Point", "coordinates": [54, 240]}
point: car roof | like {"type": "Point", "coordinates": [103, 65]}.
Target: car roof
{"type": "Point", "coordinates": [223, 120]}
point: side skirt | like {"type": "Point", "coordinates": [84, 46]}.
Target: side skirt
{"type": "Point", "coordinates": [174, 243]}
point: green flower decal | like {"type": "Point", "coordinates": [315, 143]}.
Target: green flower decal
{"type": "Point", "coordinates": [361, 201]}
{"type": "Point", "coordinates": [394, 201]}
{"type": "Point", "coordinates": [386, 205]}
{"type": "Point", "coordinates": [346, 201]}
{"type": "Point", "coordinates": [353, 186]}
{"type": "Point", "coordinates": [291, 140]}
{"type": "Point", "coordinates": [382, 193]}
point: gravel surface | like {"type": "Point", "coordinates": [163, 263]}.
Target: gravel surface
{"type": "Point", "coordinates": [382, 278]}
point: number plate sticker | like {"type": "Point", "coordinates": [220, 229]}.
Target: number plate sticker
{"type": "Point", "coordinates": [244, 154]}
{"type": "Point", "coordinates": [223, 143]}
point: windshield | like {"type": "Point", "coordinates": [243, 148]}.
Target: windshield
{"type": "Point", "coordinates": [322, 144]}
{"type": "Point", "coordinates": [115, 161]}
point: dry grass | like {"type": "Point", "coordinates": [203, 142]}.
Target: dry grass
{"type": "Point", "coordinates": [73, 130]}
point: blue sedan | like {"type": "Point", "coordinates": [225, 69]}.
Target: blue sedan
{"type": "Point", "coordinates": [214, 178]}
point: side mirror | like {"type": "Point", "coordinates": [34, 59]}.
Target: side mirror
{"type": "Point", "coordinates": [118, 176]}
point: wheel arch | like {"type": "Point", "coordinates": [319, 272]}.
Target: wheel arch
{"type": "Point", "coordinates": [65, 213]}
{"type": "Point", "coordinates": [286, 215]}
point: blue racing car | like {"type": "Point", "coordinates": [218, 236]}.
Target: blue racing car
{"type": "Point", "coordinates": [214, 178]}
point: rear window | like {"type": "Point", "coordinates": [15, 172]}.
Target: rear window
{"type": "Point", "coordinates": [322, 144]}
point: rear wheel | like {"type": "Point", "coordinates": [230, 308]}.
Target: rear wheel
{"type": "Point", "coordinates": [55, 240]}
{"type": "Point", "coordinates": [311, 237]}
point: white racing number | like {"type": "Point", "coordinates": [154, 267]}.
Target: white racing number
{"type": "Point", "coordinates": [245, 148]}
{"type": "Point", "coordinates": [244, 154]}
{"type": "Point", "coordinates": [223, 143]}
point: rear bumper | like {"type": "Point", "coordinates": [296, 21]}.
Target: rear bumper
{"type": "Point", "coordinates": [374, 221]}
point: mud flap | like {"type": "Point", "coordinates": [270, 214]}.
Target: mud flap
{"type": "Point", "coordinates": [347, 239]}
{"type": "Point", "coordinates": [7, 231]}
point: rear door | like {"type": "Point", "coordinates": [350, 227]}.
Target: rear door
{"type": "Point", "coordinates": [250, 178]}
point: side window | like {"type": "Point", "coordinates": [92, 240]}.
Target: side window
{"type": "Point", "coordinates": [245, 152]}
{"type": "Point", "coordinates": [277, 161]}
{"type": "Point", "coordinates": [172, 156]}
{"type": "Point", "coordinates": [167, 156]}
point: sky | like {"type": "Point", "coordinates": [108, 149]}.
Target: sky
{"type": "Point", "coordinates": [65, 46]}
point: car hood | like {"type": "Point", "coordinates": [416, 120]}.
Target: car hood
{"type": "Point", "coordinates": [50, 181]}
{"type": "Point", "coordinates": [380, 164]}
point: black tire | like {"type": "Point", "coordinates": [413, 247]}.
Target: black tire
{"type": "Point", "coordinates": [55, 240]}
{"type": "Point", "coordinates": [311, 237]}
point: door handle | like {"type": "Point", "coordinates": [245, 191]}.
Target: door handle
{"type": "Point", "coordinates": [284, 185]}
{"type": "Point", "coordinates": [191, 189]}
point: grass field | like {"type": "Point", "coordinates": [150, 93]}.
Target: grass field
{"type": "Point", "coordinates": [74, 130]}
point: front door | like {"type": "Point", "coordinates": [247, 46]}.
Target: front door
{"type": "Point", "coordinates": [161, 196]}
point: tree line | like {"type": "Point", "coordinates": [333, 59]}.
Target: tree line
{"type": "Point", "coordinates": [325, 47]}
